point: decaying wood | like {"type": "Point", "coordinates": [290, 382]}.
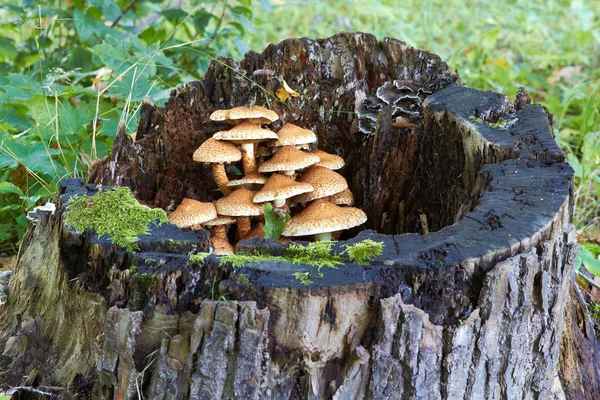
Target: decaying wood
{"type": "Point", "coordinates": [479, 307]}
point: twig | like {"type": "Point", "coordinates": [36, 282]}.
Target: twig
{"type": "Point", "coordinates": [131, 4]}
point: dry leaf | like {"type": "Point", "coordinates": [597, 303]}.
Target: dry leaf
{"type": "Point", "coordinates": [97, 84]}
{"type": "Point", "coordinates": [402, 123]}
{"type": "Point", "coordinates": [285, 91]}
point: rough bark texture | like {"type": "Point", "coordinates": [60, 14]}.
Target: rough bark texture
{"type": "Point", "coordinates": [477, 308]}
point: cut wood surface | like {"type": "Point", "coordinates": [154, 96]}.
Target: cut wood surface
{"type": "Point", "coordinates": [477, 304]}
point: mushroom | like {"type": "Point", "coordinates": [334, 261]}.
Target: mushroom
{"type": "Point", "coordinates": [279, 188]}
{"type": "Point", "coordinates": [257, 231]}
{"type": "Point", "coordinates": [192, 212]}
{"type": "Point", "coordinates": [292, 135]}
{"type": "Point", "coordinates": [343, 198]}
{"type": "Point", "coordinates": [321, 218]}
{"type": "Point", "coordinates": [288, 160]}
{"type": "Point", "coordinates": [246, 134]}
{"type": "Point", "coordinates": [257, 115]}
{"type": "Point", "coordinates": [221, 246]}
{"type": "Point", "coordinates": [330, 161]}
{"type": "Point", "coordinates": [249, 181]}
{"type": "Point", "coordinates": [325, 182]}
{"type": "Point", "coordinates": [220, 225]}
{"type": "Point", "coordinates": [240, 204]}
{"type": "Point", "coordinates": [217, 154]}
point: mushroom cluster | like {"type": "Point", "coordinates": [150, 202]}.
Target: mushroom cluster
{"type": "Point", "coordinates": [279, 168]}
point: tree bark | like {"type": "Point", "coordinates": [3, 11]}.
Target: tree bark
{"type": "Point", "coordinates": [482, 306]}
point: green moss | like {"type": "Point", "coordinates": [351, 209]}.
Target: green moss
{"type": "Point", "coordinates": [198, 258]}
{"type": "Point", "coordinates": [238, 260]}
{"type": "Point", "coordinates": [115, 213]}
{"type": "Point", "coordinates": [242, 279]}
{"type": "Point", "coordinates": [317, 254]}
{"type": "Point", "coordinates": [594, 310]}
{"type": "Point", "coordinates": [364, 252]}
{"type": "Point", "coordinates": [134, 269]}
{"type": "Point", "coordinates": [500, 124]}
{"type": "Point", "coordinates": [143, 284]}
{"type": "Point", "coordinates": [149, 261]}
{"type": "Point", "coordinates": [303, 277]}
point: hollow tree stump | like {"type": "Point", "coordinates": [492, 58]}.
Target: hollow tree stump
{"type": "Point", "coordinates": [477, 308]}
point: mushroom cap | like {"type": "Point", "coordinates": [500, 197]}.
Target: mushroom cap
{"type": "Point", "coordinates": [280, 187]}
{"type": "Point", "coordinates": [323, 216]}
{"type": "Point", "coordinates": [288, 159]}
{"type": "Point", "coordinates": [325, 181]}
{"type": "Point", "coordinates": [245, 132]}
{"type": "Point", "coordinates": [257, 231]}
{"type": "Point", "coordinates": [256, 115]}
{"type": "Point", "coordinates": [343, 198]}
{"type": "Point", "coordinates": [291, 135]}
{"type": "Point", "coordinates": [220, 220]}
{"type": "Point", "coordinates": [192, 212]}
{"type": "Point", "coordinates": [331, 161]}
{"type": "Point", "coordinates": [221, 246]}
{"type": "Point", "coordinates": [251, 179]}
{"type": "Point", "coordinates": [239, 204]}
{"type": "Point", "coordinates": [215, 152]}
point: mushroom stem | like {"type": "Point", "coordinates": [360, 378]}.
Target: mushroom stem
{"type": "Point", "coordinates": [221, 179]}
{"type": "Point", "coordinates": [221, 231]}
{"type": "Point", "coordinates": [288, 173]}
{"type": "Point", "coordinates": [248, 159]}
{"type": "Point", "coordinates": [279, 203]}
{"type": "Point", "coordinates": [323, 237]}
{"type": "Point", "coordinates": [244, 226]}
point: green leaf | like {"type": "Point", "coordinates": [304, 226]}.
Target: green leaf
{"type": "Point", "coordinates": [7, 187]}
{"type": "Point", "coordinates": [274, 224]}
{"type": "Point", "coordinates": [585, 257]}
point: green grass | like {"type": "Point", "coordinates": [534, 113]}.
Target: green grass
{"type": "Point", "coordinates": [68, 77]}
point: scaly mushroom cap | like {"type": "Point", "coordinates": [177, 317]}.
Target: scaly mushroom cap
{"type": "Point", "coordinates": [221, 246]}
{"type": "Point", "coordinates": [344, 198]}
{"type": "Point", "coordinates": [239, 204]}
{"type": "Point", "coordinates": [330, 161]}
{"type": "Point", "coordinates": [323, 216]}
{"type": "Point", "coordinates": [250, 179]}
{"type": "Point", "coordinates": [257, 231]}
{"type": "Point", "coordinates": [256, 115]}
{"type": "Point", "coordinates": [192, 212]}
{"type": "Point", "coordinates": [220, 220]}
{"type": "Point", "coordinates": [325, 181]}
{"type": "Point", "coordinates": [288, 159]}
{"type": "Point", "coordinates": [280, 187]}
{"type": "Point", "coordinates": [245, 132]}
{"type": "Point", "coordinates": [215, 152]}
{"type": "Point", "coordinates": [292, 135]}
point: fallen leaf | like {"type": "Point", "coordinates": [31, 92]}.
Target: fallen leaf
{"type": "Point", "coordinates": [285, 91]}
{"type": "Point", "coordinates": [402, 123]}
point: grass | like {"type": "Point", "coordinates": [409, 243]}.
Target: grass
{"type": "Point", "coordinates": [68, 81]}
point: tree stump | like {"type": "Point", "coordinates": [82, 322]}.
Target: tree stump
{"type": "Point", "coordinates": [472, 297]}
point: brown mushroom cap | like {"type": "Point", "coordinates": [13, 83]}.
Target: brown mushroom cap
{"type": "Point", "coordinates": [280, 187]}
{"type": "Point", "coordinates": [256, 115]}
{"type": "Point", "coordinates": [239, 204]}
{"type": "Point", "coordinates": [257, 231]}
{"type": "Point", "coordinates": [328, 160]}
{"type": "Point", "coordinates": [245, 132]}
{"type": "Point", "coordinates": [288, 159]}
{"type": "Point", "coordinates": [325, 181]}
{"type": "Point", "coordinates": [221, 246]}
{"type": "Point", "coordinates": [191, 212]}
{"type": "Point", "coordinates": [292, 135]}
{"type": "Point", "coordinates": [323, 216]}
{"type": "Point", "coordinates": [220, 220]}
{"type": "Point", "coordinates": [215, 152]}
{"type": "Point", "coordinates": [343, 198]}
{"type": "Point", "coordinates": [250, 179]}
